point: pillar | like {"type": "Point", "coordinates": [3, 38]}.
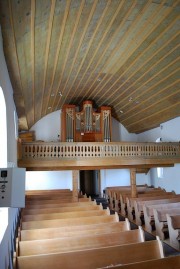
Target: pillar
{"type": "Point", "coordinates": [133, 183]}
{"type": "Point", "coordinates": [75, 183]}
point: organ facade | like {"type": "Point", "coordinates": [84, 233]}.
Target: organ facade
{"type": "Point", "coordinates": [86, 125]}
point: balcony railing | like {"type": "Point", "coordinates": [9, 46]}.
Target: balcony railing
{"type": "Point", "coordinates": [77, 150]}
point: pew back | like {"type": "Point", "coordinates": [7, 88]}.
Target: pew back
{"type": "Point", "coordinates": [94, 258]}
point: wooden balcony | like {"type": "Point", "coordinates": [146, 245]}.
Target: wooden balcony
{"type": "Point", "coordinates": [99, 155]}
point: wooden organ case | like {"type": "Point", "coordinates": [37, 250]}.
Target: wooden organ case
{"type": "Point", "coordinates": [86, 125]}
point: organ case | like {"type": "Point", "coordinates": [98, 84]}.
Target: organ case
{"type": "Point", "coordinates": [86, 125]}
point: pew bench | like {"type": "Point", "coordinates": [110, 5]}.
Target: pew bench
{"type": "Point", "coordinates": [165, 263]}
{"type": "Point", "coordinates": [159, 205]}
{"type": "Point", "coordinates": [174, 230]}
{"type": "Point", "coordinates": [94, 258]}
{"type": "Point", "coordinates": [134, 205]}
{"type": "Point", "coordinates": [69, 231]}
{"type": "Point", "coordinates": [55, 223]}
{"type": "Point", "coordinates": [67, 204]}
{"type": "Point", "coordinates": [26, 211]}
{"type": "Point", "coordinates": [65, 215]}
{"type": "Point", "coordinates": [160, 220]}
{"type": "Point", "coordinates": [68, 244]}
{"type": "Point", "coordinates": [138, 206]}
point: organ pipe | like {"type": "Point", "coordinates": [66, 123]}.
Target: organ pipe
{"type": "Point", "coordinates": [86, 125]}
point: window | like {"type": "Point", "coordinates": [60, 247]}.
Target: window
{"type": "Point", "coordinates": [3, 133]}
{"type": "Point", "coordinates": [3, 158]}
{"type": "Point", "coordinates": [159, 169]}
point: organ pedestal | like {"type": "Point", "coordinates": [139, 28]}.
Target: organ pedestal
{"type": "Point", "coordinates": [86, 125]}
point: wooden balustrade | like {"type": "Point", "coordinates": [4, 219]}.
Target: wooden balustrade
{"type": "Point", "coordinates": [70, 155]}
{"type": "Point", "coordinates": [36, 150]}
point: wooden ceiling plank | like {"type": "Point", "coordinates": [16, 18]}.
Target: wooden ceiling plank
{"type": "Point", "coordinates": [140, 77]}
{"type": "Point", "coordinates": [146, 34]}
{"type": "Point", "coordinates": [67, 53]}
{"type": "Point", "coordinates": [97, 48]}
{"type": "Point", "coordinates": [137, 109]}
{"type": "Point", "coordinates": [140, 66]}
{"type": "Point", "coordinates": [25, 122]}
{"type": "Point", "coordinates": [87, 50]}
{"type": "Point", "coordinates": [33, 51]}
{"type": "Point", "coordinates": [152, 119]}
{"type": "Point", "coordinates": [99, 88]}
{"type": "Point", "coordinates": [122, 104]}
{"type": "Point", "coordinates": [102, 55]}
{"type": "Point", "coordinates": [12, 62]}
{"type": "Point", "coordinates": [21, 29]}
{"type": "Point", "coordinates": [68, 3]}
{"type": "Point", "coordinates": [153, 104]}
{"type": "Point", "coordinates": [77, 51]}
{"type": "Point", "coordinates": [51, 18]}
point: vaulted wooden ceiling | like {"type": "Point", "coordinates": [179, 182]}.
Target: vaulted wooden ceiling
{"type": "Point", "coordinates": [121, 53]}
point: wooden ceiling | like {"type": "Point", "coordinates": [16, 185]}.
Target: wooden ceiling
{"type": "Point", "coordinates": [120, 53]}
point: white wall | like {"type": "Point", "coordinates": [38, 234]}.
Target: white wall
{"type": "Point", "coordinates": [169, 132]}
{"type": "Point", "coordinates": [6, 243]}
{"type": "Point", "coordinates": [42, 180]}
{"type": "Point", "coordinates": [119, 132]}
{"type": "Point", "coordinates": [48, 128]}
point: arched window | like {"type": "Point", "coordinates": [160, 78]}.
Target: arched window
{"type": "Point", "coordinates": [3, 132]}
{"type": "Point", "coordinates": [3, 158]}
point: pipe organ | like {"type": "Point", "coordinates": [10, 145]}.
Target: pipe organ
{"type": "Point", "coordinates": [86, 125]}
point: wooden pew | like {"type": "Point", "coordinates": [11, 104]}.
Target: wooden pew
{"type": "Point", "coordinates": [140, 191]}
{"type": "Point", "coordinates": [68, 204]}
{"type": "Point", "coordinates": [65, 215]}
{"type": "Point", "coordinates": [45, 192]}
{"type": "Point", "coordinates": [69, 231]}
{"type": "Point", "coordinates": [60, 209]}
{"type": "Point", "coordinates": [67, 244]}
{"type": "Point", "coordinates": [174, 230]}
{"type": "Point", "coordinates": [67, 222]}
{"type": "Point", "coordinates": [165, 263]}
{"type": "Point", "coordinates": [161, 220]}
{"type": "Point", "coordinates": [50, 201]}
{"type": "Point", "coordinates": [139, 203]}
{"type": "Point", "coordinates": [115, 194]}
{"type": "Point", "coordinates": [159, 205]}
{"type": "Point", "coordinates": [134, 204]}
{"type": "Point", "coordinates": [94, 258]}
